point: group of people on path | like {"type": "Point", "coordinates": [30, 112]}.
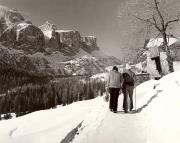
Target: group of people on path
{"type": "Point", "coordinates": [121, 82]}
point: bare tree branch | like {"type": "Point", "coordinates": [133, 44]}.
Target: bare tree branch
{"type": "Point", "coordinates": [145, 20]}
{"type": "Point", "coordinates": [171, 21]}
{"type": "Point", "coordinates": [150, 22]}
{"type": "Point", "coordinates": [159, 13]}
{"type": "Point", "coordinates": [155, 24]}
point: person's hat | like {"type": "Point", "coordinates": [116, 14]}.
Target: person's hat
{"type": "Point", "coordinates": [128, 67]}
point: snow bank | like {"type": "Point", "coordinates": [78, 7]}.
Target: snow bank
{"type": "Point", "coordinates": [101, 76]}
{"type": "Point", "coordinates": [163, 115]}
{"type": "Point", "coordinates": [49, 126]}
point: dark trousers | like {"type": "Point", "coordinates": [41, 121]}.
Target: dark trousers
{"type": "Point", "coordinates": [128, 91]}
{"type": "Point", "coordinates": [114, 94]}
{"type": "Point", "coordinates": [158, 64]}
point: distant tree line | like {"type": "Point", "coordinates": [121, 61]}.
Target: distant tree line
{"type": "Point", "coordinates": [32, 97]}
{"type": "Point", "coordinates": [11, 77]}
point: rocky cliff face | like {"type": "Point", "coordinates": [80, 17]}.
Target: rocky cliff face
{"type": "Point", "coordinates": [52, 42]}
{"type": "Point", "coordinates": [8, 17]}
{"type": "Point", "coordinates": [89, 44]}
{"type": "Point", "coordinates": [24, 36]}
{"type": "Point", "coordinates": [70, 38]}
{"type": "Point", "coordinates": [17, 33]}
{"type": "Point", "coordinates": [67, 41]}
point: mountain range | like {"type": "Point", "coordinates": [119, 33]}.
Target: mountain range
{"type": "Point", "coordinates": [46, 49]}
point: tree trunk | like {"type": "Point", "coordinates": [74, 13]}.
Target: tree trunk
{"type": "Point", "coordinates": [169, 57]}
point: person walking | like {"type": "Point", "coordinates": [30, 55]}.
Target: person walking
{"type": "Point", "coordinates": [128, 87]}
{"type": "Point", "coordinates": [114, 82]}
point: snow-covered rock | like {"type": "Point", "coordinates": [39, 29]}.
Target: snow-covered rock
{"type": "Point", "coordinates": [47, 29]}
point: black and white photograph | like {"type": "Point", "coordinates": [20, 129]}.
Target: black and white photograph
{"type": "Point", "coordinates": [89, 71]}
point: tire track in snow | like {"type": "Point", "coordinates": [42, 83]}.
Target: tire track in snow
{"type": "Point", "coordinates": [12, 131]}
{"type": "Point", "coordinates": [70, 136]}
{"type": "Point", "coordinates": [92, 122]}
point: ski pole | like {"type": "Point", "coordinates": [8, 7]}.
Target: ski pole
{"type": "Point", "coordinates": [135, 98]}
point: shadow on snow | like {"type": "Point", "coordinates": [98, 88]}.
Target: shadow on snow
{"type": "Point", "coordinates": [143, 106]}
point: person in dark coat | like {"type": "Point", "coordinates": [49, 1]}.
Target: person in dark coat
{"type": "Point", "coordinates": [128, 87]}
{"type": "Point", "coordinates": [114, 82]}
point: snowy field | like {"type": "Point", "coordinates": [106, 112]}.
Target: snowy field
{"type": "Point", "coordinates": [50, 126]}
{"type": "Point", "coordinates": [156, 120]}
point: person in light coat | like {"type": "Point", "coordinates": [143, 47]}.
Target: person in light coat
{"type": "Point", "coordinates": [114, 82]}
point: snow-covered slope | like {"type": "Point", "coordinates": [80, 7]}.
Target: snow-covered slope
{"type": "Point", "coordinates": [156, 120]}
{"type": "Point", "coordinates": [49, 126]}
{"type": "Point", "coordinates": [82, 63]}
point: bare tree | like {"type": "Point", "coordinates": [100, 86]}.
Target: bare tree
{"type": "Point", "coordinates": [154, 13]}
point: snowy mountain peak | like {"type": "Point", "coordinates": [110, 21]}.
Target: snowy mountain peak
{"type": "Point", "coordinates": [48, 27]}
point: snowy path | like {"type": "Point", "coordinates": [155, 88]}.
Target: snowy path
{"type": "Point", "coordinates": [157, 121]}
{"type": "Point", "coordinates": [114, 128]}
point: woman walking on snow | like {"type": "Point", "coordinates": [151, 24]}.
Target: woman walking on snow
{"type": "Point", "coordinates": [114, 82]}
{"type": "Point", "coordinates": [128, 87]}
